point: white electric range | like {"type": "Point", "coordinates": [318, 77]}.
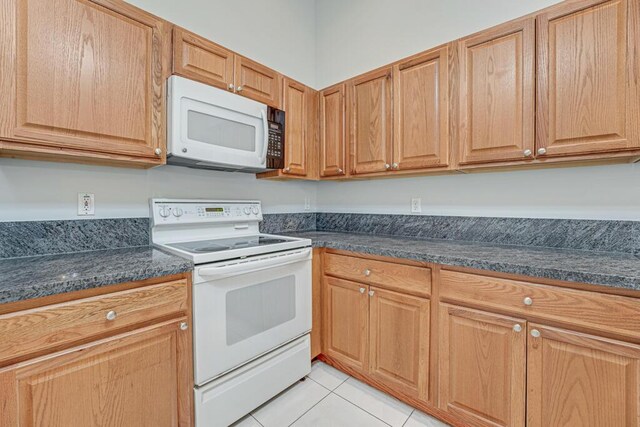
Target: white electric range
{"type": "Point", "coordinates": [251, 303]}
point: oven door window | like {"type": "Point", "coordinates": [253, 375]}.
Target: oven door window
{"type": "Point", "coordinates": [255, 309]}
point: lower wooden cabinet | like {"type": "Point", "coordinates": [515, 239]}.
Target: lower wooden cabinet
{"type": "Point", "coordinates": [482, 366]}
{"type": "Point", "coordinates": [136, 379]}
{"type": "Point", "coordinates": [581, 380]}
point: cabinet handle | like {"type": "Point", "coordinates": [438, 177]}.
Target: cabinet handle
{"type": "Point", "coordinates": [527, 153]}
{"type": "Point", "coordinates": [111, 315]}
{"type": "Point", "coordinates": [367, 272]}
{"type": "Point", "coordinates": [158, 152]}
{"type": "Point", "coordinates": [527, 301]}
{"type": "Point", "coordinates": [535, 333]}
{"type": "Point", "coordinates": [542, 151]}
{"type": "Point", "coordinates": [340, 171]}
{"type": "Point", "coordinates": [239, 88]}
{"type": "Point", "coordinates": [184, 326]}
{"type": "Point", "coordinates": [287, 169]}
{"type": "Point", "coordinates": [230, 87]}
{"type": "Point", "coordinates": [517, 328]}
{"type": "Point", "coordinates": [395, 166]}
{"type": "Point", "coordinates": [362, 290]}
{"type": "Point", "coordinates": [371, 293]}
{"type": "Point", "coordinates": [387, 166]}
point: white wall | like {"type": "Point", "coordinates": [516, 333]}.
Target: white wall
{"type": "Point", "coordinates": [41, 190]}
{"type": "Point", "coordinates": [276, 33]}
{"type": "Point", "coordinates": [354, 36]}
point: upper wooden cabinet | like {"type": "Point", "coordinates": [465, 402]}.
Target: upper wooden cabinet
{"type": "Point", "coordinates": [369, 110]}
{"type": "Point", "coordinates": [588, 78]}
{"type": "Point", "coordinates": [577, 379]}
{"type": "Point", "coordinates": [295, 104]}
{"type": "Point", "coordinates": [332, 132]}
{"type": "Point", "coordinates": [199, 59]}
{"type": "Point", "coordinates": [495, 93]}
{"type": "Point", "coordinates": [421, 111]}
{"type": "Point", "coordinates": [257, 82]}
{"type": "Point", "coordinates": [83, 80]}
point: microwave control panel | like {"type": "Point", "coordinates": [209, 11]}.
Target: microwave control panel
{"type": "Point", "coordinates": [275, 146]}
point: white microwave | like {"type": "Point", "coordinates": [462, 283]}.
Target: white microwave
{"type": "Point", "coordinates": [210, 128]}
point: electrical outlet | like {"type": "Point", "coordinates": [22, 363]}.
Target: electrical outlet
{"type": "Point", "coordinates": [416, 205]}
{"type": "Point", "coordinates": [86, 204]}
{"type": "Point", "coordinates": [307, 203]}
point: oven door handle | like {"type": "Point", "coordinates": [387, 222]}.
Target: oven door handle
{"type": "Point", "coordinates": [234, 269]}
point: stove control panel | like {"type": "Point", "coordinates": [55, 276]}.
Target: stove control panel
{"type": "Point", "coordinates": [175, 212]}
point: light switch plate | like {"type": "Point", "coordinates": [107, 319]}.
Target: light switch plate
{"type": "Point", "coordinates": [86, 204]}
{"type": "Point", "coordinates": [416, 205]}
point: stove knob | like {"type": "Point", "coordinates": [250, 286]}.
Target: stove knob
{"type": "Point", "coordinates": [164, 211]}
{"type": "Point", "coordinates": [255, 210]}
{"type": "Point", "coordinates": [247, 210]}
{"type": "Point", "coordinates": [177, 212]}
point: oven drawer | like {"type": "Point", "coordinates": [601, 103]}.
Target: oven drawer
{"type": "Point", "coordinates": [57, 326]}
{"type": "Point", "coordinates": [400, 277]}
{"type": "Point", "coordinates": [229, 398]}
{"type": "Point", "coordinates": [608, 313]}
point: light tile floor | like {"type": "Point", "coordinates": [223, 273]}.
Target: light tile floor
{"type": "Point", "coordinates": [330, 398]}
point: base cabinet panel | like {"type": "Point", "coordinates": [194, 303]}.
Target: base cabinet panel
{"type": "Point", "coordinates": [133, 380]}
{"type": "Point", "coordinates": [482, 367]}
{"type": "Point", "coordinates": [580, 380]}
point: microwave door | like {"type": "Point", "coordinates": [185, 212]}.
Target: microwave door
{"type": "Point", "coordinates": [217, 135]}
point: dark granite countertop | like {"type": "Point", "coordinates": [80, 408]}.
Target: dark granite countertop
{"type": "Point", "coordinates": [618, 270]}
{"type": "Point", "coordinates": [40, 276]}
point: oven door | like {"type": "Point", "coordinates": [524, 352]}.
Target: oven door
{"type": "Point", "coordinates": [214, 127]}
{"type": "Point", "coordinates": [246, 308]}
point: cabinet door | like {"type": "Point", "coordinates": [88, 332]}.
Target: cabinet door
{"type": "Point", "coordinates": [579, 380]}
{"type": "Point", "coordinates": [295, 141]}
{"type": "Point", "coordinates": [199, 59]}
{"type": "Point", "coordinates": [496, 94]}
{"type": "Point", "coordinates": [370, 122]}
{"type": "Point", "coordinates": [142, 378]}
{"type": "Point", "coordinates": [399, 341]}
{"type": "Point", "coordinates": [588, 84]}
{"type": "Point", "coordinates": [421, 111]}
{"type": "Point", "coordinates": [257, 82]}
{"type": "Point", "coordinates": [332, 138]}
{"type": "Point", "coordinates": [346, 322]}
{"type": "Point", "coordinates": [482, 366]}
{"type": "Point", "coordinates": [84, 79]}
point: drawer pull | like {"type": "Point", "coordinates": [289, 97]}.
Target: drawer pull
{"type": "Point", "coordinates": [527, 301]}
{"type": "Point", "coordinates": [371, 293]}
{"type": "Point", "coordinates": [184, 326]}
{"type": "Point", "coordinates": [111, 315]}
{"type": "Point", "coordinates": [517, 328]}
{"type": "Point", "coordinates": [362, 290]}
{"type": "Point", "coordinates": [367, 272]}
{"type": "Point", "coordinates": [535, 333]}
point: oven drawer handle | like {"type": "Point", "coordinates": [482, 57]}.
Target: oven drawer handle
{"type": "Point", "coordinates": [251, 266]}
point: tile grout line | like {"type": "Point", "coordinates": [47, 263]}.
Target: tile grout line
{"type": "Point", "coordinates": [256, 420]}
{"type": "Point", "coordinates": [362, 409]}
{"type": "Point", "coordinates": [316, 404]}
{"type": "Point", "coordinates": [408, 418]}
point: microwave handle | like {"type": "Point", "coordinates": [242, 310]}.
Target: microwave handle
{"type": "Point", "coordinates": [252, 266]}
{"type": "Point", "coordinates": [265, 128]}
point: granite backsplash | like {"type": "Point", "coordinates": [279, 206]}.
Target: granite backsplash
{"type": "Point", "coordinates": [31, 238]}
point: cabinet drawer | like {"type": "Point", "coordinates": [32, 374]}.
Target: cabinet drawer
{"type": "Point", "coordinates": [613, 314]}
{"type": "Point", "coordinates": [56, 326]}
{"type": "Point", "coordinates": [405, 278]}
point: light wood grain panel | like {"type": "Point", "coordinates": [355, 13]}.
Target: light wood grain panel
{"type": "Point", "coordinates": [496, 94]}
{"type": "Point", "coordinates": [316, 303]}
{"type": "Point", "coordinates": [588, 85]}
{"type": "Point", "coordinates": [581, 380]}
{"type": "Point", "coordinates": [61, 325]}
{"type": "Point", "coordinates": [399, 342]}
{"type": "Point", "coordinates": [132, 379]}
{"type": "Point", "coordinates": [199, 59]}
{"type": "Point", "coordinates": [76, 88]}
{"type": "Point", "coordinates": [421, 111]}
{"type": "Point", "coordinates": [400, 277]}
{"type": "Point", "coordinates": [257, 82]}
{"type": "Point", "coordinates": [332, 132]}
{"type": "Point", "coordinates": [346, 322]}
{"type": "Point", "coordinates": [482, 367]}
{"type": "Point", "coordinates": [295, 105]}
{"type": "Point", "coordinates": [610, 314]}
{"type": "Point", "coordinates": [370, 122]}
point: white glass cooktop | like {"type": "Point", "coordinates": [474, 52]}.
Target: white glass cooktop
{"type": "Point", "coordinates": [217, 245]}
